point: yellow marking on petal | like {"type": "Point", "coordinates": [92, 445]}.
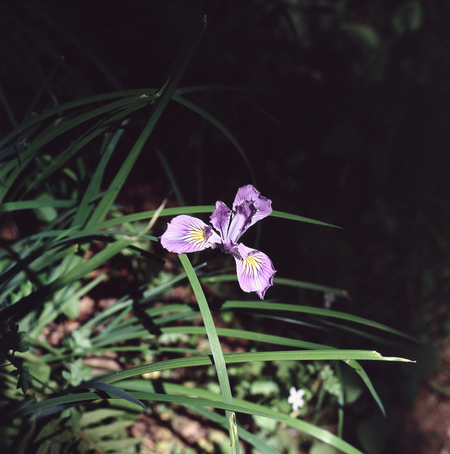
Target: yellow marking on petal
{"type": "Point", "coordinates": [197, 235]}
{"type": "Point", "coordinates": [252, 264]}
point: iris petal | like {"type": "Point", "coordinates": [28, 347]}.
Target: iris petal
{"type": "Point", "coordinates": [254, 270]}
{"type": "Point", "coordinates": [188, 234]}
{"type": "Point", "coordinates": [248, 207]}
{"type": "Point", "coordinates": [220, 219]}
{"type": "Point", "coordinates": [261, 205]}
{"type": "Point", "coordinates": [241, 220]}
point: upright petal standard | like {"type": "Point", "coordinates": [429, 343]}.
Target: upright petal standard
{"type": "Point", "coordinates": [254, 269]}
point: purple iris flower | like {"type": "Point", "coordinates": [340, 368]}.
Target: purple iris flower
{"type": "Point", "coordinates": [254, 269]}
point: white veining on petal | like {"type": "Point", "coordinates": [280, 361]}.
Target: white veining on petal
{"type": "Point", "coordinates": [197, 236]}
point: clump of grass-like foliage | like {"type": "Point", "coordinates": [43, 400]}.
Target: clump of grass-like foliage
{"type": "Point", "coordinates": [51, 401]}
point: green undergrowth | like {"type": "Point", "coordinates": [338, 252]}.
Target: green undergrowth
{"type": "Point", "coordinates": [181, 342]}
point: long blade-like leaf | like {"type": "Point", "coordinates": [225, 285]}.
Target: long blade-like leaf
{"type": "Point", "coordinates": [216, 349]}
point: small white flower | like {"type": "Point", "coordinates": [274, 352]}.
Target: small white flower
{"type": "Point", "coordinates": [296, 398]}
{"type": "Point", "coordinates": [328, 299]}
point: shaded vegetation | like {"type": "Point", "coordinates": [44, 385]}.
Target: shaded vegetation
{"type": "Point", "coordinates": [337, 111]}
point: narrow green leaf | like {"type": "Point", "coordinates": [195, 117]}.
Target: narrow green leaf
{"type": "Point", "coordinates": [145, 396]}
{"type": "Point", "coordinates": [216, 349]}
{"type": "Point", "coordinates": [148, 214]}
{"type": "Point", "coordinates": [283, 307]}
{"type": "Point", "coordinates": [296, 355]}
{"type": "Point", "coordinates": [281, 281]}
{"type": "Point", "coordinates": [249, 335]}
{"type": "Point", "coordinates": [108, 388]}
{"type": "Point", "coordinates": [294, 217]}
{"type": "Point", "coordinates": [11, 150]}
{"type": "Point", "coordinates": [35, 204]}
{"type": "Point", "coordinates": [302, 355]}
{"type": "Point", "coordinates": [310, 286]}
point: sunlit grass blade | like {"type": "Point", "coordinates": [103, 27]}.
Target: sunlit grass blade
{"type": "Point", "coordinates": [234, 358]}
{"type": "Point", "coordinates": [213, 338]}
{"type": "Point", "coordinates": [141, 396]}
{"type": "Point", "coordinates": [365, 378]}
{"type": "Point", "coordinates": [109, 236]}
{"type": "Point", "coordinates": [148, 214]}
{"type": "Point", "coordinates": [310, 355]}
{"type": "Point", "coordinates": [52, 312]}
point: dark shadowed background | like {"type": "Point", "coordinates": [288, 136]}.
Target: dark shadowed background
{"type": "Point", "coordinates": [342, 109]}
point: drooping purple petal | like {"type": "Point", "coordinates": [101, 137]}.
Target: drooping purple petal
{"type": "Point", "coordinates": [220, 219]}
{"type": "Point", "coordinates": [254, 270]}
{"type": "Point", "coordinates": [249, 196]}
{"type": "Point", "coordinates": [188, 234]}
